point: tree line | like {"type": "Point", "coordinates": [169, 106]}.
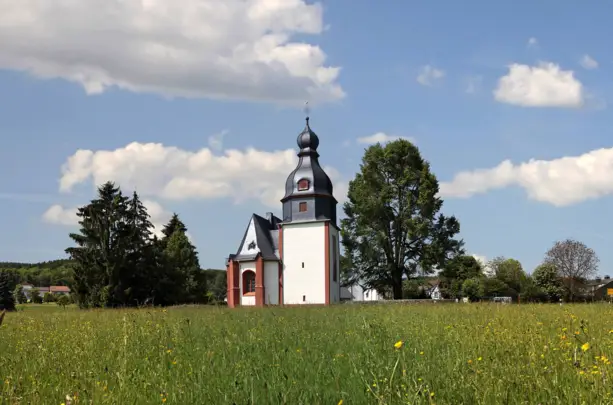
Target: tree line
{"type": "Point", "coordinates": [395, 238]}
{"type": "Point", "coordinates": [118, 261]}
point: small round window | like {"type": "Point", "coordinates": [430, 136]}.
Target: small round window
{"type": "Point", "coordinates": [303, 185]}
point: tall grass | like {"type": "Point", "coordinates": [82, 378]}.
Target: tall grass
{"type": "Point", "coordinates": [451, 354]}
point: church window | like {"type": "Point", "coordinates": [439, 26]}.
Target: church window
{"type": "Point", "coordinates": [248, 282]}
{"type": "Point", "coordinates": [302, 207]}
{"type": "Point", "coordinates": [303, 185]}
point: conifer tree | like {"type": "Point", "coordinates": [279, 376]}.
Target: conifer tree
{"type": "Point", "coordinates": [8, 281]}
{"type": "Point", "coordinates": [182, 265]}
{"type": "Point", "coordinates": [100, 252]}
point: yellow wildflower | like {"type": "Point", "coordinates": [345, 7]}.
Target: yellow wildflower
{"type": "Point", "coordinates": [399, 344]}
{"type": "Point", "coordinates": [340, 402]}
{"type": "Point", "coordinates": [585, 347]}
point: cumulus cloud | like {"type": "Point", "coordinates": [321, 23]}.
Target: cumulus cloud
{"type": "Point", "coordinates": [230, 49]}
{"type": "Point", "coordinates": [560, 182]}
{"type": "Point", "coordinates": [545, 85]}
{"type": "Point", "coordinates": [168, 172]}
{"type": "Point", "coordinates": [379, 137]}
{"type": "Point", "coordinates": [429, 74]}
{"type": "Point", "coordinates": [588, 62]}
{"type": "Point", "coordinates": [56, 214]}
{"type": "Point", "coordinates": [67, 216]}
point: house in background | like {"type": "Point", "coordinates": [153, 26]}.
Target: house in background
{"type": "Point", "coordinates": [357, 292]}
{"type": "Point", "coordinates": [59, 290]}
{"type": "Point", "coordinates": [54, 289]}
{"type": "Point", "coordinates": [435, 292]}
{"type": "Point", "coordinates": [597, 289]}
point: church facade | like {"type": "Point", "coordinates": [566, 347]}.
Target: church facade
{"type": "Point", "coordinates": [294, 260]}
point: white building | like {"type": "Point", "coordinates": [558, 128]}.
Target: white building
{"type": "Point", "coordinates": [294, 260]}
{"type": "Point", "coordinates": [357, 292]}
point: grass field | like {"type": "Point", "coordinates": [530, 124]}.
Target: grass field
{"type": "Point", "coordinates": [451, 354]}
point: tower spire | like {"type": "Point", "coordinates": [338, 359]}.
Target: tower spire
{"type": "Point", "coordinates": [307, 111]}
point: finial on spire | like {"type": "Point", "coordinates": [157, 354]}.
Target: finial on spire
{"type": "Point", "coordinates": [307, 111]}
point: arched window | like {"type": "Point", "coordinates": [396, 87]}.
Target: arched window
{"type": "Point", "coordinates": [303, 185]}
{"type": "Point", "coordinates": [248, 282]}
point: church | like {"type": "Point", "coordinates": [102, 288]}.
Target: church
{"type": "Point", "coordinates": [294, 260]}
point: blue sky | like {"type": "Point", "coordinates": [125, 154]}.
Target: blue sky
{"type": "Point", "coordinates": [197, 105]}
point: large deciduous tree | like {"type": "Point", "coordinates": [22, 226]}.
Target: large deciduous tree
{"type": "Point", "coordinates": [574, 262]}
{"type": "Point", "coordinates": [393, 225]}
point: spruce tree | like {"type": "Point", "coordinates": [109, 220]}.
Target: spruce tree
{"type": "Point", "coordinates": [140, 274]}
{"type": "Point", "coordinates": [183, 279]}
{"type": "Point", "coordinates": [8, 281]}
{"type": "Point", "coordinates": [100, 254]}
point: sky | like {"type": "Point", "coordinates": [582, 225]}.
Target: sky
{"type": "Point", "coordinates": [196, 105]}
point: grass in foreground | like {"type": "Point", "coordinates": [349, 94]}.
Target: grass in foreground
{"type": "Point", "coordinates": [451, 354]}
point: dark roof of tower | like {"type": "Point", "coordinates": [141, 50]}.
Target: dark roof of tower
{"type": "Point", "coordinates": [261, 237]}
{"type": "Point", "coordinates": [308, 168]}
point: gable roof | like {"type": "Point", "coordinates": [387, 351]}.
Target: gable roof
{"type": "Point", "coordinates": [261, 237]}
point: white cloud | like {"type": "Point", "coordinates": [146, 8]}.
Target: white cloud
{"type": "Point", "coordinates": [156, 170]}
{"type": "Point", "coordinates": [532, 42]}
{"type": "Point", "coordinates": [545, 85]}
{"type": "Point", "coordinates": [588, 62]}
{"type": "Point", "coordinates": [230, 49]}
{"type": "Point", "coordinates": [56, 214]}
{"type": "Point", "coordinates": [560, 182]}
{"type": "Point", "coordinates": [216, 140]}
{"type": "Point", "coordinates": [380, 137]}
{"type": "Point", "coordinates": [59, 215]}
{"type": "Point", "coordinates": [429, 74]}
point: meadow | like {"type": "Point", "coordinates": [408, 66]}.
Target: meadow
{"type": "Point", "coordinates": [346, 354]}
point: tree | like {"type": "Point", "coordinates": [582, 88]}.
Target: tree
{"type": "Point", "coordinates": [472, 288]}
{"type": "Point", "coordinates": [393, 227]}
{"type": "Point", "coordinates": [184, 268]}
{"type": "Point", "coordinates": [8, 282]}
{"type": "Point", "coordinates": [462, 267]}
{"type": "Point", "coordinates": [35, 296]}
{"type": "Point", "coordinates": [137, 281]}
{"type": "Point", "coordinates": [546, 277]}
{"type": "Point", "coordinates": [574, 262]}
{"type": "Point", "coordinates": [100, 252]}
{"type": "Point", "coordinates": [456, 271]}
{"type": "Point", "coordinates": [48, 297]}
{"type": "Point", "coordinates": [20, 296]}
{"type": "Point", "coordinates": [174, 224]}
{"type": "Point", "coordinates": [493, 287]}
{"type": "Point", "coordinates": [63, 301]}
{"type": "Point", "coordinates": [510, 272]}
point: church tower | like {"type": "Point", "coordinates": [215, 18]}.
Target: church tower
{"type": "Point", "coordinates": [308, 234]}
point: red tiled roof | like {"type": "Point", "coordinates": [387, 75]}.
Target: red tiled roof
{"type": "Point", "coordinates": [59, 288]}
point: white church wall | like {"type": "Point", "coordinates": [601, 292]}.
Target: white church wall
{"type": "Point", "coordinates": [271, 283]}
{"type": "Point", "coordinates": [335, 292]}
{"type": "Point", "coordinates": [249, 299]}
{"type": "Point", "coordinates": [304, 243]}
